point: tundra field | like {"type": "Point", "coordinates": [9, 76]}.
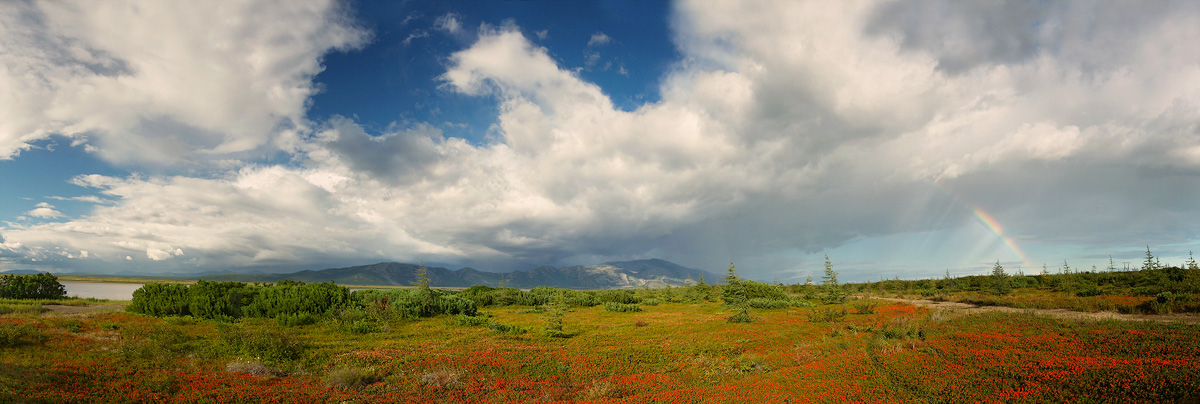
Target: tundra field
{"type": "Point", "coordinates": [741, 341]}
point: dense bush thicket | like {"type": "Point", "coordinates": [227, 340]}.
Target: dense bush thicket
{"type": "Point", "coordinates": [291, 298]}
{"type": "Point", "coordinates": [230, 300]}
{"type": "Point", "coordinates": [415, 303]}
{"type": "Point", "coordinates": [220, 300]}
{"type": "Point", "coordinates": [160, 299]}
{"type": "Point", "coordinates": [38, 286]}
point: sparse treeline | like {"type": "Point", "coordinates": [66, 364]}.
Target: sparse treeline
{"type": "Point", "coordinates": [1171, 287]}
{"type": "Point", "coordinates": [1148, 282]}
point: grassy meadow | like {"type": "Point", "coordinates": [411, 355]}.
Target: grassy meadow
{"type": "Point", "coordinates": [857, 351]}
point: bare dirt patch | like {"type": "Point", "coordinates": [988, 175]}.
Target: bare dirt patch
{"type": "Point", "coordinates": [1057, 313]}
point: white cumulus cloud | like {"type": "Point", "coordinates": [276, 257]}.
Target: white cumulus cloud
{"type": "Point", "coordinates": [162, 82]}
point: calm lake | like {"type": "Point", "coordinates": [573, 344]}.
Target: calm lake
{"type": "Point", "coordinates": [101, 290]}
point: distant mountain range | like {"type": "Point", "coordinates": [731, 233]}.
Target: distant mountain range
{"type": "Point", "coordinates": [610, 275]}
{"type": "Point", "coordinates": [20, 272]}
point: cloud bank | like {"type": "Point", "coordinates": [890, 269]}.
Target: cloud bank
{"type": "Point", "coordinates": [787, 128]}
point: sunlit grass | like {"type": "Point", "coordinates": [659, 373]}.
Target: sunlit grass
{"type": "Point", "coordinates": [671, 352]}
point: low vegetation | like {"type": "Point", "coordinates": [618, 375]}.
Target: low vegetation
{"type": "Point", "coordinates": [1155, 290]}
{"type": "Point", "coordinates": [737, 341]}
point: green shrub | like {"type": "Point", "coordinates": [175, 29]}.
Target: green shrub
{"type": "Point", "coordinates": [470, 321]}
{"type": "Point", "coordinates": [617, 296]}
{"type": "Point", "coordinates": [834, 295]}
{"type": "Point", "coordinates": [231, 300]}
{"type": "Point", "coordinates": [180, 321]}
{"type": "Point", "coordinates": [866, 307]}
{"type": "Point", "coordinates": [485, 296]}
{"type": "Point", "coordinates": [622, 307]}
{"type": "Point", "coordinates": [759, 290]}
{"type": "Point", "coordinates": [741, 317]}
{"type": "Point", "coordinates": [480, 294]}
{"type": "Point", "coordinates": [37, 286]}
{"type": "Point", "coordinates": [218, 300]}
{"type": "Point", "coordinates": [826, 315]}
{"type": "Point", "coordinates": [160, 300]}
{"type": "Point", "coordinates": [1164, 303]}
{"type": "Point", "coordinates": [801, 302]}
{"type": "Point", "coordinates": [21, 334]}
{"type": "Point", "coordinates": [764, 303]}
{"type": "Point", "coordinates": [352, 314]}
{"type": "Point", "coordinates": [506, 328]}
{"type": "Point", "coordinates": [1088, 291]}
{"type": "Point", "coordinates": [291, 298]}
{"type": "Point", "coordinates": [362, 327]}
{"type": "Point", "coordinates": [651, 302]}
{"type": "Point", "coordinates": [416, 303]}
{"type": "Point", "coordinates": [295, 320]}
{"type": "Point", "coordinates": [553, 333]}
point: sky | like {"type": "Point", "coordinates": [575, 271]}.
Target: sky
{"type": "Point", "coordinates": [904, 138]}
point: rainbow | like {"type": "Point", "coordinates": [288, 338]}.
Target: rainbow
{"type": "Point", "coordinates": [988, 221]}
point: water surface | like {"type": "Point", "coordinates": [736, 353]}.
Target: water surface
{"type": "Point", "coordinates": [101, 290]}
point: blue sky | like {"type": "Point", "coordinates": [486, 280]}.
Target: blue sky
{"type": "Point", "coordinates": [907, 138]}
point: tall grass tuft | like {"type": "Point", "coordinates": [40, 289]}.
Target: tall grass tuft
{"type": "Point", "coordinates": [352, 377]}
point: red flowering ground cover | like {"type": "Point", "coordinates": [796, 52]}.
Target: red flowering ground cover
{"type": "Point", "coordinates": [668, 353]}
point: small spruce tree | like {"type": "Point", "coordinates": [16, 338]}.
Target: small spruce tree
{"type": "Point", "coordinates": [424, 293]}
{"type": "Point", "coordinates": [422, 278]}
{"type": "Point", "coordinates": [1191, 262]}
{"type": "Point", "coordinates": [1000, 280]}
{"type": "Point", "coordinates": [1151, 262]}
{"type": "Point", "coordinates": [733, 293]}
{"type": "Point", "coordinates": [833, 293]}
{"type": "Point", "coordinates": [554, 317]}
